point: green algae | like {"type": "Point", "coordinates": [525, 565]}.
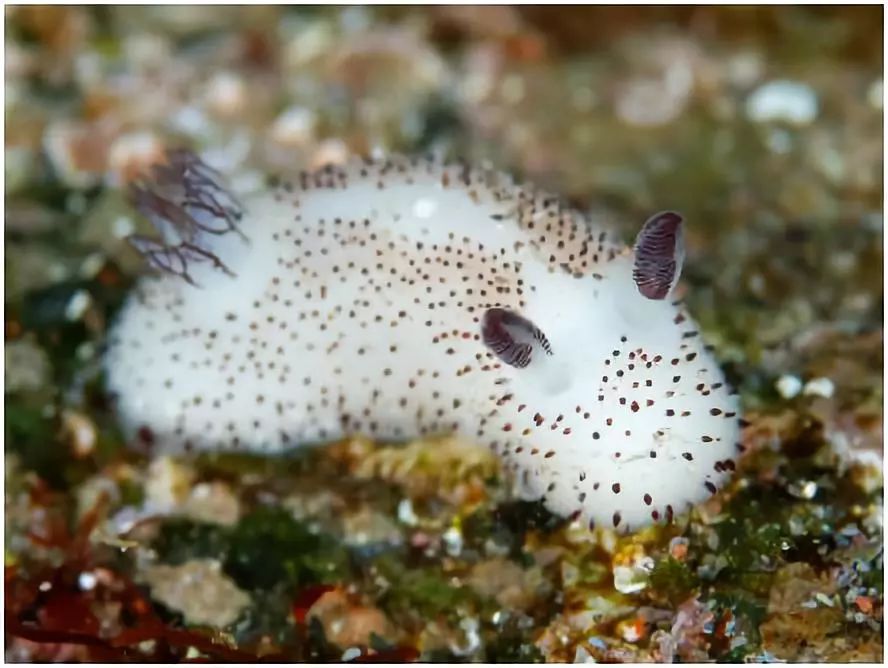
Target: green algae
{"type": "Point", "coordinates": [31, 435]}
{"type": "Point", "coordinates": [426, 591]}
{"type": "Point", "coordinates": [673, 579]}
{"type": "Point", "coordinates": [267, 547]}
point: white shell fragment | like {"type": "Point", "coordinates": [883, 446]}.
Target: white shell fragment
{"type": "Point", "coordinates": [819, 387]}
{"type": "Point", "coordinates": [77, 305]}
{"type": "Point", "coordinates": [783, 101]}
{"type": "Point", "coordinates": [351, 302]}
{"type": "Point", "coordinates": [788, 386]}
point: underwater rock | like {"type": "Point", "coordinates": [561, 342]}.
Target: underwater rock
{"type": "Point", "coordinates": [199, 590]}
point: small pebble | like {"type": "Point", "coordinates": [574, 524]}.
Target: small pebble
{"type": "Point", "coordinates": [875, 94]}
{"type": "Point", "coordinates": [212, 502]}
{"type": "Point", "coordinates": [347, 623]}
{"type": "Point", "coordinates": [472, 640]}
{"type": "Point", "coordinates": [351, 653]}
{"type": "Point", "coordinates": [85, 351]}
{"type": "Point", "coordinates": [865, 604]}
{"type": "Point", "coordinates": [294, 127]}
{"type": "Point", "coordinates": [77, 305]}
{"type": "Point", "coordinates": [200, 590]}
{"type": "Point", "coordinates": [631, 630]}
{"type": "Point", "coordinates": [788, 386]}
{"type": "Point", "coordinates": [805, 489]}
{"type": "Point", "coordinates": [824, 600]}
{"type": "Point", "coordinates": [91, 265]}
{"type": "Point", "coordinates": [330, 152]}
{"type": "Point", "coordinates": [190, 121]}
{"type": "Point", "coordinates": [169, 483]}
{"type": "Point", "coordinates": [27, 366]}
{"type": "Point", "coordinates": [226, 94]}
{"type": "Point", "coordinates": [122, 227]}
{"type": "Point", "coordinates": [782, 100]}
{"type": "Point", "coordinates": [744, 69]}
{"type": "Point", "coordinates": [368, 527]}
{"type": "Point", "coordinates": [76, 151]}
{"type": "Point", "coordinates": [678, 547]}
{"type": "Point", "coordinates": [649, 103]}
{"type": "Point", "coordinates": [131, 155]}
{"type": "Point", "coordinates": [86, 581]}
{"type": "Point", "coordinates": [406, 514]}
{"type": "Point", "coordinates": [453, 541]}
{"type": "Point", "coordinates": [80, 433]}
{"type": "Point", "coordinates": [582, 656]}
{"type": "Point", "coordinates": [779, 141]}
{"type": "Point", "coordinates": [819, 387]}
{"type": "Point", "coordinates": [632, 579]}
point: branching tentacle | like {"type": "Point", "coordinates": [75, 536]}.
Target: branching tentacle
{"type": "Point", "coordinates": [184, 200]}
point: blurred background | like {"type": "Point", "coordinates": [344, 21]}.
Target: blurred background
{"type": "Point", "coordinates": [763, 125]}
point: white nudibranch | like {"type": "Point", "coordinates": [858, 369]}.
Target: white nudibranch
{"type": "Point", "coordinates": [405, 297]}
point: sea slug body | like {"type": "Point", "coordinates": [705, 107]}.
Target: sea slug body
{"type": "Point", "coordinates": [402, 297]}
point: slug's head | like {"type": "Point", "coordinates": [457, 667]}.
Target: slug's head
{"type": "Point", "coordinates": [656, 266]}
{"type": "Point", "coordinates": [612, 409]}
